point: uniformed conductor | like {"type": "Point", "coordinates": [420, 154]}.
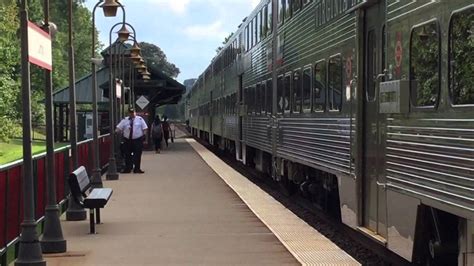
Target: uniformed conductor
{"type": "Point", "coordinates": [134, 130]}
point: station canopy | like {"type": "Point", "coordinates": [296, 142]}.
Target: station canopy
{"type": "Point", "coordinates": [160, 89]}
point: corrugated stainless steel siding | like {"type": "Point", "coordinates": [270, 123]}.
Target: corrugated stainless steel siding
{"type": "Point", "coordinates": [318, 141]}
{"type": "Point", "coordinates": [256, 133]}
{"type": "Point", "coordinates": [231, 127]}
{"type": "Point", "coordinates": [433, 158]}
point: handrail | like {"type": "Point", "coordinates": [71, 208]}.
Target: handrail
{"type": "Point", "coordinates": [18, 162]}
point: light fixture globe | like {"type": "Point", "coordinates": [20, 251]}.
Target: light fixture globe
{"type": "Point", "coordinates": [110, 8]}
{"type": "Point", "coordinates": [123, 33]}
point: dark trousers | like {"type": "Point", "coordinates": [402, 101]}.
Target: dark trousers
{"type": "Point", "coordinates": [133, 154]}
{"type": "Point", "coordinates": [157, 143]}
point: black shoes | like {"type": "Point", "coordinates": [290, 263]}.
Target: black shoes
{"type": "Point", "coordinates": [139, 171]}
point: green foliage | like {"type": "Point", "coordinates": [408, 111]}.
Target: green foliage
{"type": "Point", "coordinates": [10, 96]}
{"type": "Point", "coordinates": [425, 62]}
{"type": "Point", "coordinates": [154, 56]}
{"type": "Point", "coordinates": [462, 56]}
{"type": "Point", "coordinates": [8, 128]}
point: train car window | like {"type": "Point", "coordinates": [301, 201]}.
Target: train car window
{"type": "Point", "coordinates": [287, 9]}
{"type": "Point", "coordinates": [287, 93]}
{"type": "Point", "coordinates": [306, 90]}
{"type": "Point", "coordinates": [461, 57]}
{"type": "Point", "coordinates": [296, 96]}
{"type": "Point", "coordinates": [269, 18]}
{"type": "Point", "coordinates": [257, 99]}
{"type": "Point", "coordinates": [252, 34]}
{"type": "Point", "coordinates": [305, 2]}
{"type": "Point", "coordinates": [253, 95]}
{"type": "Point", "coordinates": [296, 5]}
{"type": "Point", "coordinates": [261, 24]}
{"type": "Point", "coordinates": [247, 39]}
{"type": "Point", "coordinates": [262, 98]}
{"type": "Point", "coordinates": [319, 87]}
{"type": "Point", "coordinates": [280, 97]}
{"type": "Point", "coordinates": [425, 64]}
{"type": "Point", "coordinates": [370, 65]}
{"type": "Point", "coordinates": [228, 105]}
{"type": "Point", "coordinates": [248, 101]}
{"type": "Point", "coordinates": [269, 96]}
{"type": "Point", "coordinates": [264, 21]}
{"type": "Point", "coordinates": [281, 11]}
{"type": "Point", "coordinates": [257, 28]}
{"type": "Point", "coordinates": [335, 83]}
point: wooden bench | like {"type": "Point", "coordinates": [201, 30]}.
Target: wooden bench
{"type": "Point", "coordinates": [97, 198]}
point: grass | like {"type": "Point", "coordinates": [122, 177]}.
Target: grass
{"type": "Point", "coordinates": [12, 151]}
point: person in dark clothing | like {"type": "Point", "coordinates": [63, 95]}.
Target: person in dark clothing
{"type": "Point", "coordinates": [157, 133]}
{"type": "Point", "coordinates": [166, 129]}
{"type": "Point", "coordinates": [134, 130]}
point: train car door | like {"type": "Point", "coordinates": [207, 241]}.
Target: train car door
{"type": "Point", "coordinates": [240, 121]}
{"type": "Point", "coordinates": [211, 117]}
{"type": "Point", "coordinates": [374, 194]}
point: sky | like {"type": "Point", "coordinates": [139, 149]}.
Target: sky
{"type": "Point", "coordinates": [188, 31]}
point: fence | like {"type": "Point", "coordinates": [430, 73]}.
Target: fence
{"type": "Point", "coordinates": [11, 192]}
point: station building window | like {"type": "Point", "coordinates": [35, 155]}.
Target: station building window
{"type": "Point", "coordinates": [335, 83]}
{"type": "Point", "coordinates": [461, 57]}
{"type": "Point", "coordinates": [306, 82]}
{"type": "Point", "coordinates": [296, 93]}
{"type": "Point", "coordinates": [287, 93]}
{"type": "Point", "coordinates": [280, 96]}
{"type": "Point", "coordinates": [319, 87]}
{"type": "Point", "coordinates": [269, 96]}
{"type": "Point", "coordinates": [425, 64]}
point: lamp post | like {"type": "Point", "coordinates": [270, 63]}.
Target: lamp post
{"type": "Point", "coordinates": [123, 34]}
{"type": "Point", "coordinates": [110, 10]}
{"type": "Point", "coordinates": [52, 240]}
{"type": "Point", "coordinates": [29, 252]}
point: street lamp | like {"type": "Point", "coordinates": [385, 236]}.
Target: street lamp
{"type": "Point", "coordinates": [29, 252]}
{"type": "Point", "coordinates": [52, 240]}
{"type": "Point", "coordinates": [123, 34]}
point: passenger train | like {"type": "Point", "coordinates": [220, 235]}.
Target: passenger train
{"type": "Point", "coordinates": [366, 107]}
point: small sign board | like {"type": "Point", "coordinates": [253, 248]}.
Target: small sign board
{"type": "Point", "coordinates": [118, 88]}
{"type": "Point", "coordinates": [39, 47]}
{"type": "Point", "coordinates": [142, 102]}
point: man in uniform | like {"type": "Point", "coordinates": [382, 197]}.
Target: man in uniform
{"type": "Point", "coordinates": [134, 130]}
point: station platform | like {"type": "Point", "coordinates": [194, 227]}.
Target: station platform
{"type": "Point", "coordinates": [190, 208]}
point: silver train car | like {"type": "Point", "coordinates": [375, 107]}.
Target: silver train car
{"type": "Point", "coordinates": [365, 107]}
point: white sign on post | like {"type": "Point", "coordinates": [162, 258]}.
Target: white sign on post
{"type": "Point", "coordinates": [142, 102]}
{"type": "Point", "coordinates": [39, 47]}
{"type": "Point", "coordinates": [118, 88]}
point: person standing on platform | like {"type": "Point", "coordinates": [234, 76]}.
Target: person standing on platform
{"type": "Point", "coordinates": [166, 129]}
{"type": "Point", "coordinates": [134, 130]}
{"type": "Point", "coordinates": [157, 133]}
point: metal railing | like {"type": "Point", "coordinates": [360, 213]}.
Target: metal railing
{"type": "Point", "coordinates": [11, 193]}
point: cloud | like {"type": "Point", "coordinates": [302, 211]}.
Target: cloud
{"type": "Point", "coordinates": [178, 7]}
{"type": "Point", "coordinates": [206, 31]}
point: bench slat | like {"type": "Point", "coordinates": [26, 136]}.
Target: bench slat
{"type": "Point", "coordinates": [98, 198]}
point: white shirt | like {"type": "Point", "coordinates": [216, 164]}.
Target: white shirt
{"type": "Point", "coordinates": [139, 126]}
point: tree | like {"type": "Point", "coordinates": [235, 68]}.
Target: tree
{"type": "Point", "coordinates": [218, 49]}
{"type": "Point", "coordinates": [154, 56]}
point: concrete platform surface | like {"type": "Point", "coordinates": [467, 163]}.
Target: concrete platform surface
{"type": "Point", "coordinates": [180, 212]}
